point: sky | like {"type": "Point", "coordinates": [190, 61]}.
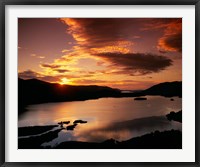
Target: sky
{"type": "Point", "coordinates": [123, 53]}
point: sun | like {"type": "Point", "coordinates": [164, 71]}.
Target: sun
{"type": "Point", "coordinates": [64, 81]}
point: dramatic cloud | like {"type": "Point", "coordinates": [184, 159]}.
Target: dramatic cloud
{"type": "Point", "coordinates": [137, 63]}
{"type": "Point", "coordinates": [172, 42]}
{"type": "Point", "coordinates": [103, 34]}
{"type": "Point", "coordinates": [172, 39]}
{"type": "Point", "coordinates": [29, 74]}
{"type": "Point", "coordinates": [113, 40]}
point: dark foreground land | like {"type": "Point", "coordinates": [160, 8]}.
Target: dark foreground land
{"type": "Point", "coordinates": [35, 142]}
{"type": "Point", "coordinates": [34, 130]}
{"type": "Point", "coordinates": [156, 140]}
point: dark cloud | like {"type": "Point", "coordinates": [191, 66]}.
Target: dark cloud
{"type": "Point", "coordinates": [54, 67]}
{"type": "Point", "coordinates": [172, 38]}
{"type": "Point", "coordinates": [137, 63]}
{"type": "Point", "coordinates": [172, 33]}
{"type": "Point", "coordinates": [61, 70]}
{"type": "Point", "coordinates": [49, 65]}
{"type": "Point", "coordinates": [99, 35]}
{"type": "Point", "coordinates": [171, 43]}
{"type": "Point", "coordinates": [101, 32]}
{"type": "Point", "coordinates": [29, 74]}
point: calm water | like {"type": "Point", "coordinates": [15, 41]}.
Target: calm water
{"type": "Point", "coordinates": [118, 118]}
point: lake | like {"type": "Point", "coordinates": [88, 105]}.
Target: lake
{"type": "Point", "coordinates": [118, 118]}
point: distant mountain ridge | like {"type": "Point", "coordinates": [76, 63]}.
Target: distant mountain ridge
{"type": "Point", "coordinates": [35, 91]}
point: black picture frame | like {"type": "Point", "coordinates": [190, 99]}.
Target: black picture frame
{"type": "Point", "coordinates": [3, 4]}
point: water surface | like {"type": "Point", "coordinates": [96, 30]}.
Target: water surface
{"type": "Point", "coordinates": [118, 118]}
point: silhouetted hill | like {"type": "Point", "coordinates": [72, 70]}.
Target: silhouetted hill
{"type": "Point", "coordinates": [35, 91]}
{"type": "Point", "coordinates": [166, 89]}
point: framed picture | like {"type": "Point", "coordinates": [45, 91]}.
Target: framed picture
{"type": "Point", "coordinates": [100, 83]}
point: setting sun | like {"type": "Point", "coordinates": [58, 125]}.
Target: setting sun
{"type": "Point", "coordinates": [64, 81]}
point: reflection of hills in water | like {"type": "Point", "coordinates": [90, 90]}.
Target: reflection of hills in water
{"type": "Point", "coordinates": [142, 123]}
{"type": "Point", "coordinates": [127, 129]}
{"type": "Point", "coordinates": [150, 124]}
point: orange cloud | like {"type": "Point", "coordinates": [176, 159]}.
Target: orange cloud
{"type": "Point", "coordinates": [172, 39]}
{"type": "Point", "coordinates": [99, 35]}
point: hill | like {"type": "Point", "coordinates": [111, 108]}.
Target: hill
{"type": "Point", "coordinates": [35, 91]}
{"type": "Point", "coordinates": [167, 89]}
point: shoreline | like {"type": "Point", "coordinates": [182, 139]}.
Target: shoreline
{"type": "Point", "coordinates": [171, 139]}
{"type": "Point", "coordinates": [167, 139]}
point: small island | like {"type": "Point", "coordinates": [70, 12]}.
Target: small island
{"type": "Point", "coordinates": [140, 98]}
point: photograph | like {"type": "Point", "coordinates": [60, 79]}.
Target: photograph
{"type": "Point", "coordinates": [99, 83]}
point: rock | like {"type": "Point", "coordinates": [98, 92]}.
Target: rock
{"type": "Point", "coordinates": [71, 127]}
{"type": "Point", "coordinates": [80, 121]}
{"type": "Point", "coordinates": [61, 124]}
{"type": "Point", "coordinates": [66, 122]}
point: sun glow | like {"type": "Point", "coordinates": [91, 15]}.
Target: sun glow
{"type": "Point", "coordinates": [64, 81]}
